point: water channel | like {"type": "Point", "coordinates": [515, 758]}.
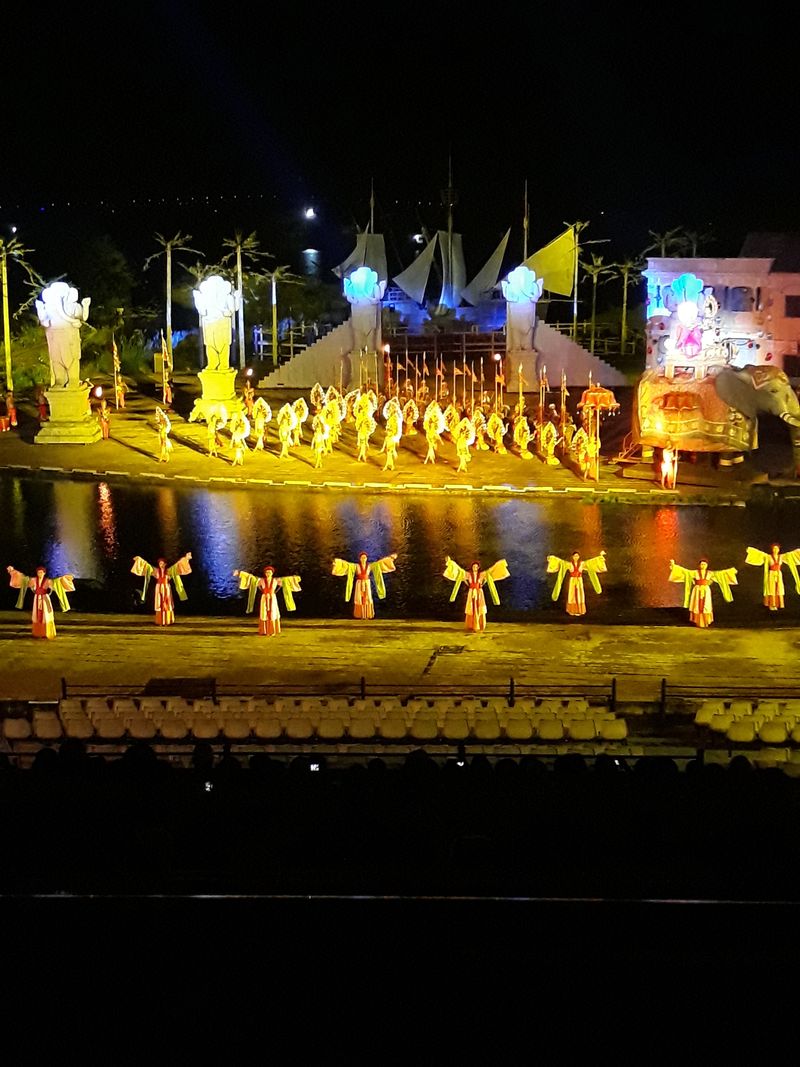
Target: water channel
{"type": "Point", "coordinates": [94, 529]}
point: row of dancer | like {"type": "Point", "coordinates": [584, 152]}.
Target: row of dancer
{"type": "Point", "coordinates": [363, 574]}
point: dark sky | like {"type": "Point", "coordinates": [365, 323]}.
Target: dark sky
{"type": "Point", "coordinates": [632, 118]}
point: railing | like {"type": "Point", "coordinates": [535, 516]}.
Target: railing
{"type": "Point", "coordinates": [603, 345]}
{"type": "Point", "coordinates": [197, 688]}
{"type": "Point", "coordinates": [674, 698]}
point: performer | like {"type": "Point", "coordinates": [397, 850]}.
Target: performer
{"type": "Point", "coordinates": [287, 422]}
{"type": "Point", "coordinates": [269, 616]}
{"type": "Point", "coordinates": [433, 424]}
{"type": "Point", "coordinates": [11, 409]}
{"type": "Point", "coordinates": [410, 417]}
{"type": "Point", "coordinates": [300, 408]}
{"type": "Point", "coordinates": [215, 422]}
{"type": "Point", "coordinates": [42, 617]}
{"type": "Point", "coordinates": [669, 468]}
{"type": "Point", "coordinates": [496, 429]}
{"type": "Point", "coordinates": [772, 562]}
{"type": "Point", "coordinates": [320, 433]}
{"type": "Point", "coordinates": [393, 432]}
{"type": "Point", "coordinates": [104, 418]}
{"type": "Point", "coordinates": [697, 589]}
{"type": "Point", "coordinates": [574, 568]}
{"type": "Point", "coordinates": [548, 439]}
{"type": "Point", "coordinates": [479, 422]}
{"type": "Point", "coordinates": [41, 403]}
{"type": "Point", "coordinates": [164, 576]}
{"type": "Point", "coordinates": [163, 425]}
{"type": "Point", "coordinates": [119, 391]}
{"type": "Point", "coordinates": [475, 608]}
{"type": "Point", "coordinates": [248, 398]}
{"type": "Point", "coordinates": [240, 430]}
{"type": "Point", "coordinates": [262, 414]}
{"type": "Point", "coordinates": [358, 578]}
{"type": "Point", "coordinates": [465, 438]}
{"type": "Point", "coordinates": [365, 428]}
{"type": "Point", "coordinates": [523, 436]}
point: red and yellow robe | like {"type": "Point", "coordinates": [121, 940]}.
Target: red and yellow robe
{"type": "Point", "coordinates": [697, 591]}
{"type": "Point", "coordinates": [475, 607]}
{"type": "Point", "coordinates": [359, 584]}
{"type": "Point", "coordinates": [773, 587]}
{"type": "Point", "coordinates": [269, 615]}
{"type": "Point", "coordinates": [576, 595]}
{"type": "Point", "coordinates": [42, 617]}
{"type": "Point", "coordinates": [164, 578]}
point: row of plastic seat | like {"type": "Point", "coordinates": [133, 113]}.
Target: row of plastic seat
{"type": "Point", "coordinates": [424, 726]}
{"type": "Point", "coordinates": [716, 712]}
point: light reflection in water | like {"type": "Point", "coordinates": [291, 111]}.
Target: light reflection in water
{"type": "Point", "coordinates": [95, 530]}
{"type": "Point", "coordinates": [108, 525]}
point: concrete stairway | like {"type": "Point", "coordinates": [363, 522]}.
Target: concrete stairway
{"type": "Point", "coordinates": [558, 352]}
{"type": "Point", "coordinates": [320, 362]}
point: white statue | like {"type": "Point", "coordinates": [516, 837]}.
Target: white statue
{"type": "Point", "coordinates": [364, 293]}
{"type": "Point", "coordinates": [61, 314]}
{"type": "Point", "coordinates": [216, 303]}
{"type": "Point", "coordinates": [521, 290]}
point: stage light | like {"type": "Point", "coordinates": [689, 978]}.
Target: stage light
{"type": "Point", "coordinates": [249, 372]}
{"type": "Point", "coordinates": [98, 391]}
{"type": "Point", "coordinates": [310, 213]}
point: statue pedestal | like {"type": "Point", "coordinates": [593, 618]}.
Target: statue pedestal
{"type": "Point", "coordinates": [70, 422]}
{"type": "Point", "coordinates": [218, 388]}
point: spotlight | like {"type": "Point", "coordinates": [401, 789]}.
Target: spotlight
{"type": "Point", "coordinates": [98, 391]}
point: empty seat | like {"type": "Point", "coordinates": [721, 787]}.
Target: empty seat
{"type": "Point", "coordinates": [78, 727]}
{"type": "Point", "coordinates": [424, 727]}
{"type": "Point", "coordinates": [141, 728]}
{"type": "Point", "coordinates": [518, 728]}
{"type": "Point", "coordinates": [268, 728]}
{"type": "Point", "coordinates": [707, 710]}
{"type": "Point", "coordinates": [741, 708]}
{"type": "Point", "coordinates": [178, 705]}
{"type": "Point", "coordinates": [742, 731]}
{"type": "Point", "coordinates": [124, 706]}
{"type": "Point", "coordinates": [796, 735]}
{"type": "Point", "coordinates": [772, 733]}
{"type": "Point", "coordinates": [486, 729]}
{"type": "Point", "coordinates": [331, 728]}
{"type": "Point", "coordinates": [299, 728]}
{"type": "Point", "coordinates": [151, 706]}
{"type": "Point", "coordinates": [581, 730]}
{"type": "Point", "coordinates": [550, 730]}
{"type": "Point", "coordinates": [205, 728]}
{"type": "Point", "coordinates": [456, 727]}
{"type": "Point", "coordinates": [235, 727]}
{"type": "Point", "coordinates": [46, 726]}
{"type": "Point", "coordinates": [393, 728]}
{"type": "Point", "coordinates": [613, 729]}
{"type": "Point", "coordinates": [721, 721]}
{"type": "Point", "coordinates": [95, 706]}
{"type": "Point", "coordinates": [767, 709]}
{"type": "Point", "coordinates": [16, 729]}
{"type": "Point", "coordinates": [234, 705]}
{"type": "Point", "coordinates": [362, 727]}
{"type": "Point", "coordinates": [71, 706]}
{"type": "Point", "coordinates": [109, 726]}
{"type": "Point", "coordinates": [173, 728]}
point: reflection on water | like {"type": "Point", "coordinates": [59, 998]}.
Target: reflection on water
{"type": "Point", "coordinates": [94, 530]}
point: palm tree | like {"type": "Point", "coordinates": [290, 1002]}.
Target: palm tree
{"type": "Point", "coordinates": [283, 275]}
{"type": "Point", "coordinates": [595, 270]}
{"type": "Point", "coordinates": [13, 248]}
{"type": "Point", "coordinates": [629, 270]}
{"type": "Point", "coordinates": [241, 246]}
{"type": "Point", "coordinates": [667, 242]}
{"type": "Point", "coordinates": [169, 245]}
{"type": "Point", "coordinates": [693, 239]}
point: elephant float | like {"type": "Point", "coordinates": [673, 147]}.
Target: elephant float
{"type": "Point", "coordinates": [716, 413]}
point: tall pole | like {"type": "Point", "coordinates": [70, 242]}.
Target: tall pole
{"type": "Point", "coordinates": [472, 389]}
{"type": "Point", "coordinates": [274, 322]}
{"type": "Point", "coordinates": [525, 224]}
{"type": "Point", "coordinates": [6, 319]}
{"type": "Point", "coordinates": [169, 297]}
{"type": "Point", "coordinates": [241, 345]}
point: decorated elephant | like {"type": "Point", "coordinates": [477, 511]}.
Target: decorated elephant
{"type": "Point", "coordinates": [757, 390]}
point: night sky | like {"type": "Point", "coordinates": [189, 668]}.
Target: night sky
{"type": "Point", "coordinates": [632, 120]}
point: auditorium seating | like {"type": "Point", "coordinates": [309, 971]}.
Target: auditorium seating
{"type": "Point", "coordinates": [751, 722]}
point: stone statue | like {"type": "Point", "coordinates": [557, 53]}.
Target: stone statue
{"type": "Point", "coordinates": [521, 290]}
{"type": "Point", "coordinates": [61, 314]}
{"type": "Point", "coordinates": [364, 293]}
{"type": "Point", "coordinates": [216, 303]}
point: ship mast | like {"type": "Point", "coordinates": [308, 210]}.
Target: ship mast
{"type": "Point", "coordinates": [525, 224]}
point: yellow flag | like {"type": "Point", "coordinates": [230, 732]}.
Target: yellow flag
{"type": "Point", "coordinates": [555, 263]}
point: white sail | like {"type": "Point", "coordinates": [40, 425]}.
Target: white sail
{"type": "Point", "coordinates": [414, 278]}
{"type": "Point", "coordinates": [370, 251]}
{"type": "Point", "coordinates": [485, 280]}
{"type": "Point", "coordinates": [454, 273]}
